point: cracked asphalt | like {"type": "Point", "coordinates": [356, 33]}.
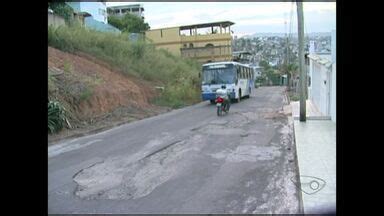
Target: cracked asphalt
{"type": "Point", "coordinates": [185, 161]}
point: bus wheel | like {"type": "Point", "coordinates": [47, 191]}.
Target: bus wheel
{"type": "Point", "coordinates": [212, 101]}
{"type": "Point", "coordinates": [239, 99]}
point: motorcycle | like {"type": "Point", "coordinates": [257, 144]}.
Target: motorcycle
{"type": "Point", "coordinates": [221, 106]}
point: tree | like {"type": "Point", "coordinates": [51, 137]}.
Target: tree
{"type": "Point", "coordinates": [61, 9]}
{"type": "Point", "coordinates": [129, 23]}
{"type": "Point", "coordinates": [292, 71]}
{"type": "Point", "coordinates": [264, 64]}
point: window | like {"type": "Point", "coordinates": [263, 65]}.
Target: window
{"type": "Point", "coordinates": [190, 45]}
{"type": "Point", "coordinates": [161, 32]}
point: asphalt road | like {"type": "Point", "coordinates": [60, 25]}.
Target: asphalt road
{"type": "Point", "coordinates": [185, 161]}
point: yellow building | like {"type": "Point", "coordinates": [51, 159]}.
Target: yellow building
{"type": "Point", "coordinates": [207, 42]}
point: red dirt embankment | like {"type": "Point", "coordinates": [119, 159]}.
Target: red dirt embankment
{"type": "Point", "coordinates": [95, 92]}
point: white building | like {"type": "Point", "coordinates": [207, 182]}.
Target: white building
{"type": "Point", "coordinates": [121, 10]}
{"type": "Point", "coordinates": [96, 18]}
{"type": "Point", "coordinates": [322, 80]}
{"type": "Point", "coordinates": [97, 9]}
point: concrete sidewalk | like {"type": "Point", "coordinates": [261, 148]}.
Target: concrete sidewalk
{"type": "Point", "coordinates": [316, 152]}
{"type": "Point", "coordinates": [311, 110]}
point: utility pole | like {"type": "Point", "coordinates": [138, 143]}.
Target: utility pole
{"type": "Point", "coordinates": [303, 75]}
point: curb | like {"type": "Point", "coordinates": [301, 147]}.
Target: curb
{"type": "Point", "coordinates": [301, 202]}
{"type": "Point", "coordinates": [90, 132]}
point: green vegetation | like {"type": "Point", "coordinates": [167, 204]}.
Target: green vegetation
{"type": "Point", "coordinates": [269, 75]}
{"type": "Point", "coordinates": [129, 23]}
{"type": "Point", "coordinates": [293, 96]}
{"type": "Point", "coordinates": [86, 94]}
{"type": "Point", "coordinates": [56, 116]}
{"type": "Point", "coordinates": [179, 76]}
{"type": "Point", "coordinates": [292, 71]}
{"type": "Point", "coordinates": [62, 9]}
{"type": "Point", "coordinates": [67, 67]}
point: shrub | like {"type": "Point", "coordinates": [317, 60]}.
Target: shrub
{"type": "Point", "coordinates": [56, 116]}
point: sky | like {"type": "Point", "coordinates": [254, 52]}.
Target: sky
{"type": "Point", "coordinates": [249, 17]}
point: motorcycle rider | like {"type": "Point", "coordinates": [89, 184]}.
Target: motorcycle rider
{"type": "Point", "coordinates": [224, 94]}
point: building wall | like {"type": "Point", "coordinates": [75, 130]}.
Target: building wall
{"type": "Point", "coordinates": [122, 10]}
{"type": "Point", "coordinates": [91, 23]}
{"type": "Point", "coordinates": [74, 5]}
{"type": "Point", "coordinates": [162, 36]}
{"type": "Point", "coordinates": [315, 83]}
{"type": "Point", "coordinates": [55, 20]}
{"type": "Point", "coordinates": [333, 86]}
{"type": "Point", "coordinates": [320, 91]}
{"type": "Point", "coordinates": [98, 10]}
{"type": "Point", "coordinates": [333, 93]}
{"type": "Point", "coordinates": [216, 53]}
{"type": "Point", "coordinates": [333, 46]}
{"type": "Point", "coordinates": [172, 35]}
{"type": "Point", "coordinates": [192, 46]}
{"type": "Point", "coordinates": [168, 39]}
{"type": "Point", "coordinates": [324, 91]}
{"type": "Point", "coordinates": [202, 40]}
{"type": "Point", "coordinates": [310, 80]}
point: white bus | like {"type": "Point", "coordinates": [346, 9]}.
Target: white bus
{"type": "Point", "coordinates": [238, 79]}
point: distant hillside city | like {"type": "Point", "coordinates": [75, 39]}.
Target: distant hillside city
{"type": "Point", "coordinates": [272, 47]}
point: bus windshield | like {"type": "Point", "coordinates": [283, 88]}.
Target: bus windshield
{"type": "Point", "coordinates": [225, 75]}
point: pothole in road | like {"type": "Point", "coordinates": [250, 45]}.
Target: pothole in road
{"type": "Point", "coordinates": [219, 129]}
{"type": "Point", "coordinates": [123, 178]}
{"type": "Point", "coordinates": [248, 153]}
